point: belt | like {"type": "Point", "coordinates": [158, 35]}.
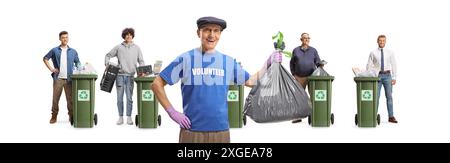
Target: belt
{"type": "Point", "coordinates": [385, 72]}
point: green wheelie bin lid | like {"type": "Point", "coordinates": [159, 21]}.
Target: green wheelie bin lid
{"type": "Point", "coordinates": [366, 79]}
{"type": "Point", "coordinates": [145, 79]}
{"type": "Point", "coordinates": [84, 76]}
{"type": "Point", "coordinates": [321, 78]}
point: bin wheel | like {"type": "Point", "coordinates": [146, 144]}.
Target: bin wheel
{"type": "Point", "coordinates": [356, 119]}
{"type": "Point", "coordinates": [378, 119]}
{"type": "Point", "coordinates": [332, 118]}
{"type": "Point", "coordinates": [244, 120]}
{"type": "Point", "coordinates": [159, 120]}
{"type": "Point", "coordinates": [136, 119]}
{"type": "Point", "coordinates": [95, 119]}
{"type": "Point", "coordinates": [309, 119]}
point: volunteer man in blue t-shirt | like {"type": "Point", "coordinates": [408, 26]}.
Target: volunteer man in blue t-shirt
{"type": "Point", "coordinates": [205, 75]}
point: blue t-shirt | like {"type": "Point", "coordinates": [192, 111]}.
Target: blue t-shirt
{"type": "Point", "coordinates": [204, 86]}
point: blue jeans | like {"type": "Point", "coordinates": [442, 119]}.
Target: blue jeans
{"type": "Point", "coordinates": [386, 81]}
{"type": "Point", "coordinates": [125, 84]}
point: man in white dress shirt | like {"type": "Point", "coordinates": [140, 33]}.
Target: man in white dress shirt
{"type": "Point", "coordinates": [383, 61]}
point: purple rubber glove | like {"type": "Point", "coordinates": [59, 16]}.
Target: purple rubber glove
{"type": "Point", "coordinates": [179, 118]}
{"type": "Point", "coordinates": [274, 57]}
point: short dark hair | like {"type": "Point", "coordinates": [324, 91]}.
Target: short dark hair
{"type": "Point", "coordinates": [127, 31]}
{"type": "Point", "coordinates": [303, 34]}
{"type": "Point", "coordinates": [63, 33]}
{"type": "Point", "coordinates": [381, 36]}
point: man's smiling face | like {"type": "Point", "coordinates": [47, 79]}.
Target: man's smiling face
{"type": "Point", "coordinates": [209, 35]}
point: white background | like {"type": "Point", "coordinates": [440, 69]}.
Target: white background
{"type": "Point", "coordinates": [343, 32]}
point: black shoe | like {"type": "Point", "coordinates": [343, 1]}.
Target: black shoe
{"type": "Point", "coordinates": [297, 121]}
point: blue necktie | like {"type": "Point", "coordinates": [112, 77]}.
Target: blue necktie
{"type": "Point", "coordinates": [382, 60]}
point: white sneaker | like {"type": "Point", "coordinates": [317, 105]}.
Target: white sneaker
{"type": "Point", "coordinates": [120, 121]}
{"type": "Point", "coordinates": [129, 120]}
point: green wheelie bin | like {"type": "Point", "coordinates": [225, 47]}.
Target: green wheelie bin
{"type": "Point", "coordinates": [83, 96]}
{"type": "Point", "coordinates": [367, 93]}
{"type": "Point", "coordinates": [235, 98]}
{"type": "Point", "coordinates": [319, 88]}
{"type": "Point", "coordinates": [147, 116]}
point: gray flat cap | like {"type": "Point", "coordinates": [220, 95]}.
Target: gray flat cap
{"type": "Point", "coordinates": [211, 20]}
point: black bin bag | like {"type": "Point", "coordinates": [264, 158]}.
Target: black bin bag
{"type": "Point", "coordinates": [277, 97]}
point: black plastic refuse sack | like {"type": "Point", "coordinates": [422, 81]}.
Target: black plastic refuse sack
{"type": "Point", "coordinates": [277, 97]}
